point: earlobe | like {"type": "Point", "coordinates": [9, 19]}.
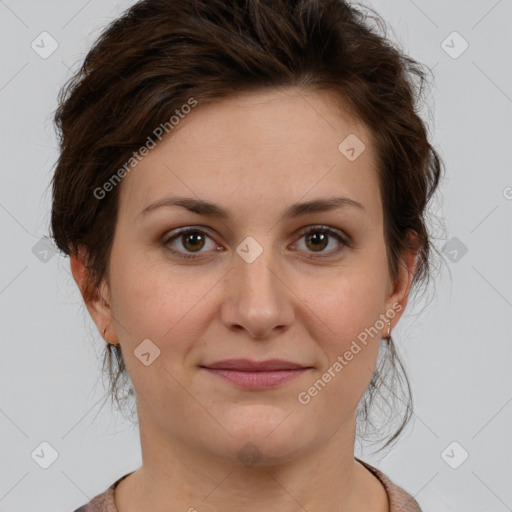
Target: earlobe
{"type": "Point", "coordinates": [397, 301]}
{"type": "Point", "coordinates": [407, 269]}
{"type": "Point", "coordinates": [94, 300]}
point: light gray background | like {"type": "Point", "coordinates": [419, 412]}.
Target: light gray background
{"type": "Point", "coordinates": [458, 353]}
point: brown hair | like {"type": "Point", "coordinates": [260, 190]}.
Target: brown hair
{"type": "Point", "coordinates": [160, 53]}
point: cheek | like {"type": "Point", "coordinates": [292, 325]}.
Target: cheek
{"type": "Point", "coordinates": [158, 301]}
{"type": "Point", "coordinates": [153, 301]}
{"type": "Point", "coordinates": [350, 306]}
{"type": "Point", "coordinates": [352, 302]}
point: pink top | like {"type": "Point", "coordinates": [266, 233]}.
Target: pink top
{"type": "Point", "coordinates": [399, 499]}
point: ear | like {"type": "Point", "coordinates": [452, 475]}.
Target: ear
{"type": "Point", "coordinates": [396, 300]}
{"type": "Point", "coordinates": [96, 300]}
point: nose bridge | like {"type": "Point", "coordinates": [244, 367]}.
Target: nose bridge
{"type": "Point", "coordinates": [256, 280]}
{"type": "Point", "coordinates": [259, 298]}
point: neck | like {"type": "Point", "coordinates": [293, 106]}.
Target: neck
{"type": "Point", "coordinates": [176, 476]}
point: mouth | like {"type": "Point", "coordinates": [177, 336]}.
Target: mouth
{"type": "Point", "coordinates": [249, 374]}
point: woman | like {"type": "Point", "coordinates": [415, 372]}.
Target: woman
{"type": "Point", "coordinates": [241, 190]}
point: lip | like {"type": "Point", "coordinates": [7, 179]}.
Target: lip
{"type": "Point", "coordinates": [249, 374]}
{"type": "Point", "coordinates": [247, 365]}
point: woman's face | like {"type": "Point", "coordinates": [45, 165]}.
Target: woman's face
{"type": "Point", "coordinates": [252, 284]}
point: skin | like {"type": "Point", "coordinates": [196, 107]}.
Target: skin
{"type": "Point", "coordinates": [254, 155]}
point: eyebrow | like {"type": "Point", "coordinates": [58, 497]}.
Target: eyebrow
{"type": "Point", "coordinates": [212, 210]}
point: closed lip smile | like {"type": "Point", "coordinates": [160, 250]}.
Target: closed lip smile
{"type": "Point", "coordinates": [249, 374]}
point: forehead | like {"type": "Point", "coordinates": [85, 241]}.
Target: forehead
{"type": "Point", "coordinates": [259, 148]}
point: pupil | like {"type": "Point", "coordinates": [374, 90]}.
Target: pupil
{"type": "Point", "coordinates": [318, 240]}
{"type": "Point", "coordinates": [195, 237]}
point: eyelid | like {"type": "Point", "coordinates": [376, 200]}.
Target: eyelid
{"type": "Point", "coordinates": [180, 231]}
{"type": "Point", "coordinates": [327, 229]}
{"type": "Point", "coordinates": [344, 239]}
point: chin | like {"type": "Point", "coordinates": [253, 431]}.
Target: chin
{"type": "Point", "coordinates": [265, 436]}
{"type": "Point", "coordinates": [259, 452]}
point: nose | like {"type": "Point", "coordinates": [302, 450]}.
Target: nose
{"type": "Point", "coordinates": [258, 297]}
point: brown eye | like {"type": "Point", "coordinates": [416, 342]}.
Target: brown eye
{"type": "Point", "coordinates": [317, 238]}
{"type": "Point", "coordinates": [317, 241]}
{"type": "Point", "coordinates": [193, 240]}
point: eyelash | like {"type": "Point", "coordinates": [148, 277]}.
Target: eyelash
{"type": "Point", "coordinates": [313, 229]}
